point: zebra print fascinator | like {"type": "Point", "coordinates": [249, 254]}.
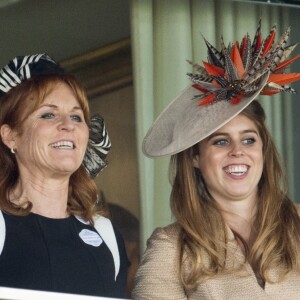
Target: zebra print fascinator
{"type": "Point", "coordinates": [23, 68]}
{"type": "Point", "coordinates": [221, 88]}
{"type": "Point", "coordinates": [99, 146]}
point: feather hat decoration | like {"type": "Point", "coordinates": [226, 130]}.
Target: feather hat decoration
{"type": "Point", "coordinates": [236, 70]}
{"type": "Point", "coordinates": [237, 74]}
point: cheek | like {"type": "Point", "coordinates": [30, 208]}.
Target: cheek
{"type": "Point", "coordinates": [206, 166]}
{"type": "Point", "coordinates": [260, 158]}
{"type": "Point", "coordinates": [34, 138]}
{"type": "Point", "coordinates": [32, 129]}
{"type": "Point", "coordinates": [210, 160]}
{"type": "Point", "coordinates": [85, 135]}
{"type": "Point", "coordinates": [211, 165]}
{"type": "Point", "coordinates": [257, 154]}
{"type": "Point", "coordinates": [83, 139]}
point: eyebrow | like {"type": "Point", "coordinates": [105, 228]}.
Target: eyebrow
{"type": "Point", "coordinates": [56, 107]}
{"type": "Point", "coordinates": [227, 134]}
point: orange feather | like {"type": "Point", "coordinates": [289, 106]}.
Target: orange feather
{"type": "Point", "coordinates": [207, 100]}
{"type": "Point", "coordinates": [237, 99]}
{"type": "Point", "coordinates": [213, 70]}
{"type": "Point", "coordinates": [269, 42]}
{"type": "Point", "coordinates": [283, 79]}
{"type": "Point", "coordinates": [269, 92]}
{"type": "Point", "coordinates": [237, 60]}
{"type": "Point", "coordinates": [286, 63]}
{"type": "Point", "coordinates": [199, 88]}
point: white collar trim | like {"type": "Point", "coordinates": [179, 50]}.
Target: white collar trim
{"type": "Point", "coordinates": [105, 229]}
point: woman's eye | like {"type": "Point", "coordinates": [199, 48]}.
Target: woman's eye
{"type": "Point", "coordinates": [222, 142]}
{"type": "Point", "coordinates": [47, 116]}
{"type": "Point", "coordinates": [249, 141]}
{"type": "Point", "coordinates": [76, 118]}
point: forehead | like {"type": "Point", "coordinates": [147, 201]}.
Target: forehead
{"type": "Point", "coordinates": [240, 123]}
{"type": "Point", "coordinates": [237, 126]}
{"type": "Point", "coordinates": [61, 94]}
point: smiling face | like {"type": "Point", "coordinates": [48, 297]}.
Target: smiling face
{"type": "Point", "coordinates": [231, 161]}
{"type": "Point", "coordinates": [54, 137]}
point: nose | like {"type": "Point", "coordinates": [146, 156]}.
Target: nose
{"type": "Point", "coordinates": [236, 150]}
{"type": "Point", "coordinates": [66, 124]}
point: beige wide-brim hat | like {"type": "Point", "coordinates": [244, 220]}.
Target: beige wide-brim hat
{"type": "Point", "coordinates": [183, 123]}
{"type": "Point", "coordinates": [231, 79]}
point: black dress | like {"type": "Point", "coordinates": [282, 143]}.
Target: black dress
{"type": "Point", "coordinates": [60, 255]}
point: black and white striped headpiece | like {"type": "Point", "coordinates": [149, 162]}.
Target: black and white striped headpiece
{"type": "Point", "coordinates": [99, 145]}
{"type": "Point", "coordinates": [22, 68]}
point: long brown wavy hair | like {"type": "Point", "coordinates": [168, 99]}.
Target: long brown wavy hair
{"type": "Point", "coordinates": [15, 107]}
{"type": "Point", "coordinates": [277, 224]}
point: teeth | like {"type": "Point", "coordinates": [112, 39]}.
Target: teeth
{"type": "Point", "coordinates": [236, 169]}
{"type": "Point", "coordinates": [63, 145]}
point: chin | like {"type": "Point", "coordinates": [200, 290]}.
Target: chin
{"type": "Point", "coordinates": [241, 194]}
{"type": "Point", "coordinates": [68, 169]}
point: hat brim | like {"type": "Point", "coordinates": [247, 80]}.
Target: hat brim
{"type": "Point", "coordinates": [183, 123]}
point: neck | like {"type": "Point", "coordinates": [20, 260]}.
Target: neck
{"type": "Point", "coordinates": [240, 215]}
{"type": "Point", "coordinates": [49, 197]}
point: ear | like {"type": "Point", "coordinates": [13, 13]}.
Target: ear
{"type": "Point", "coordinates": [7, 136]}
{"type": "Point", "coordinates": [196, 161]}
{"type": "Point", "coordinates": [196, 156]}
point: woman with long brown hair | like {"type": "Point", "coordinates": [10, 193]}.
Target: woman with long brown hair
{"type": "Point", "coordinates": [54, 236]}
{"type": "Point", "coordinates": [237, 233]}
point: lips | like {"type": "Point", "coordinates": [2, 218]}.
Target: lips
{"type": "Point", "coordinates": [63, 145]}
{"type": "Point", "coordinates": [236, 170]}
